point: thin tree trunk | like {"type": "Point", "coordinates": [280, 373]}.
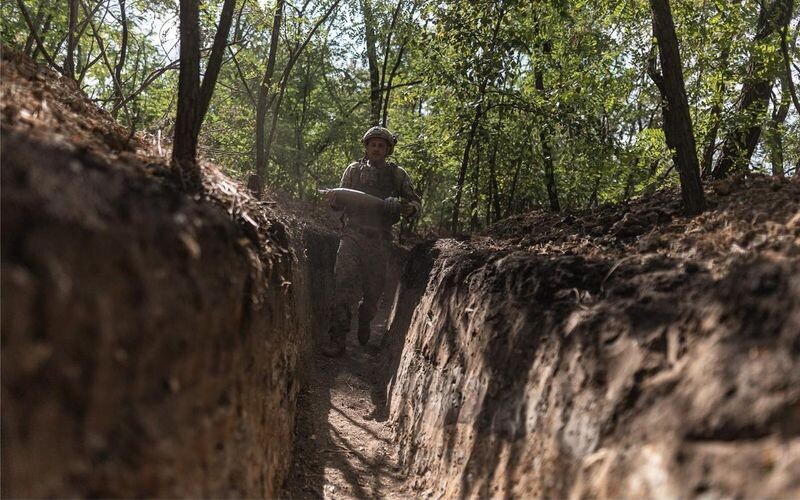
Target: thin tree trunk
{"type": "Point", "coordinates": [215, 61]}
{"type": "Point", "coordinates": [242, 78]}
{"type": "Point", "coordinates": [386, 85]}
{"type": "Point", "coordinates": [739, 143]}
{"type": "Point", "coordinates": [386, 50]}
{"type": "Point", "coordinates": [48, 21]}
{"type": "Point", "coordinates": [300, 126]}
{"type": "Point", "coordinates": [592, 203]}
{"type": "Point", "coordinates": [389, 87]}
{"type": "Point", "coordinates": [513, 191]}
{"type": "Point", "coordinates": [494, 191]}
{"type": "Point", "coordinates": [476, 180]}
{"type": "Point", "coordinates": [69, 60]}
{"type": "Point", "coordinates": [549, 173]}
{"type": "Point", "coordinates": [109, 67]}
{"type": "Point", "coordinates": [372, 59]}
{"type": "Point", "coordinates": [34, 31]}
{"type": "Point", "coordinates": [715, 114]}
{"type": "Point", "coordinates": [123, 54]}
{"type": "Point", "coordinates": [462, 172]}
{"type": "Point", "coordinates": [28, 47]}
{"type": "Point", "coordinates": [675, 108]}
{"type": "Point", "coordinates": [256, 182]}
{"type": "Point", "coordinates": [147, 81]}
{"type": "Point", "coordinates": [287, 70]}
{"type": "Point", "coordinates": [547, 152]}
{"type": "Point", "coordinates": [787, 62]}
{"type": "Point", "coordinates": [184, 151]}
{"type": "Point", "coordinates": [774, 136]}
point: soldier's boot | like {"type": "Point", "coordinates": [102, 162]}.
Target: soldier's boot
{"type": "Point", "coordinates": [363, 333]}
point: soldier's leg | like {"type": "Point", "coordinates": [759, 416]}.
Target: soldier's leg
{"type": "Point", "coordinates": [346, 292]}
{"type": "Point", "coordinates": [374, 279]}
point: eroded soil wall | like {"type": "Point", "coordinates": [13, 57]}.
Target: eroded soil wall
{"type": "Point", "coordinates": [560, 375]}
{"type": "Point", "coordinates": [150, 345]}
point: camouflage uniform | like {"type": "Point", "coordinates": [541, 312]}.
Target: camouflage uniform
{"type": "Point", "coordinates": [365, 247]}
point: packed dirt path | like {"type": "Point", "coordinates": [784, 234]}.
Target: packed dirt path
{"type": "Point", "coordinates": [344, 446]}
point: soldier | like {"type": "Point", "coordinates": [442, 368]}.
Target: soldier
{"type": "Point", "coordinates": [366, 240]}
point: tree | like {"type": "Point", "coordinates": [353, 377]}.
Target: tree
{"type": "Point", "coordinates": [372, 61]}
{"type": "Point", "coordinates": [675, 108]}
{"type": "Point", "coordinates": [184, 149]}
{"type": "Point", "coordinates": [256, 182]}
{"type": "Point", "coordinates": [544, 141]}
{"type": "Point", "coordinates": [214, 60]}
{"type": "Point", "coordinates": [69, 60]}
{"type": "Point", "coordinates": [123, 54]}
{"type": "Point", "coordinates": [193, 99]}
{"type": "Point", "coordinates": [500, 106]}
{"type": "Point", "coordinates": [741, 141]}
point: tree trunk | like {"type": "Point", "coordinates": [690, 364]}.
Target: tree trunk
{"type": "Point", "coordinates": [215, 61]}
{"type": "Point", "coordinates": [715, 114]}
{"type": "Point", "coordinates": [462, 172]}
{"type": "Point", "coordinates": [741, 141]}
{"type": "Point", "coordinates": [774, 136]}
{"type": "Point", "coordinates": [547, 152]}
{"type": "Point", "coordinates": [34, 31]}
{"type": "Point", "coordinates": [476, 192]}
{"type": "Point", "coordinates": [123, 52]}
{"type": "Point", "coordinates": [110, 67]}
{"type": "Point", "coordinates": [69, 60]}
{"type": "Point", "coordinates": [184, 149]}
{"type": "Point", "coordinates": [675, 108]}
{"type": "Point", "coordinates": [549, 173]}
{"type": "Point", "coordinates": [513, 191]}
{"type": "Point", "coordinates": [387, 49]}
{"type": "Point", "coordinates": [494, 210]}
{"type": "Point", "coordinates": [28, 47]}
{"type": "Point", "coordinates": [372, 59]}
{"type": "Point", "coordinates": [256, 183]}
{"type": "Point", "coordinates": [593, 196]}
{"type": "Point", "coordinates": [284, 81]}
{"type": "Point", "coordinates": [787, 63]}
{"type": "Point", "coordinates": [300, 127]}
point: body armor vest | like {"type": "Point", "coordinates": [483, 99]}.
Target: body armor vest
{"type": "Point", "coordinates": [377, 181]}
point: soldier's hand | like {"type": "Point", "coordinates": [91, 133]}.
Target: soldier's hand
{"type": "Point", "coordinates": [407, 209]}
{"type": "Point", "coordinates": [392, 205]}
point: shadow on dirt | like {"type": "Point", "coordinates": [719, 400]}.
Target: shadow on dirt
{"type": "Point", "coordinates": [343, 445]}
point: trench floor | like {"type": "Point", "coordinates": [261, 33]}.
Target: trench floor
{"type": "Point", "coordinates": [343, 443]}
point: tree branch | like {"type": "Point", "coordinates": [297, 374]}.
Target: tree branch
{"type": "Point", "coordinates": [787, 66]}
{"type": "Point", "coordinates": [27, 16]}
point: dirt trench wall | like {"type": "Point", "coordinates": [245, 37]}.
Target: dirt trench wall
{"type": "Point", "coordinates": [528, 375]}
{"type": "Point", "coordinates": [149, 349]}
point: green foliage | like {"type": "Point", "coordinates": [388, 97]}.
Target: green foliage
{"type": "Point", "coordinates": [452, 63]}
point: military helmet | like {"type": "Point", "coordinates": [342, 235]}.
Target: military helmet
{"type": "Point", "coordinates": [382, 133]}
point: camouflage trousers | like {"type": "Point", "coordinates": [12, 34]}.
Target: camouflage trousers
{"type": "Point", "coordinates": [360, 275]}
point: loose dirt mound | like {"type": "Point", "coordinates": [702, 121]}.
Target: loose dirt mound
{"type": "Point", "coordinates": [150, 340]}
{"type": "Point", "coordinates": [623, 352]}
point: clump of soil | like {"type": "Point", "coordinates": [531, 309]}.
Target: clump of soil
{"type": "Point", "coordinates": [628, 351]}
{"type": "Point", "coordinates": [151, 340]}
{"type": "Point", "coordinates": [752, 214]}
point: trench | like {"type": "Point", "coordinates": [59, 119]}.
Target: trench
{"type": "Point", "coordinates": [156, 344]}
{"type": "Point", "coordinates": [344, 445]}
{"type": "Point", "coordinates": [497, 373]}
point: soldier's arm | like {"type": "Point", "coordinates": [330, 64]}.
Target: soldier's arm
{"type": "Point", "coordinates": [347, 178]}
{"type": "Point", "coordinates": [411, 200]}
